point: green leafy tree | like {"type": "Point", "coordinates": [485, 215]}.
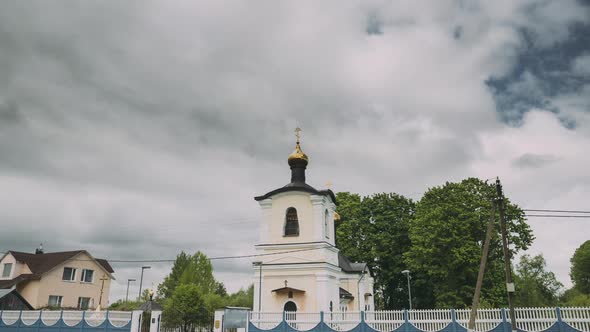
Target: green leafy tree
{"type": "Point", "coordinates": [186, 307]}
{"type": "Point", "coordinates": [580, 270]}
{"type": "Point", "coordinates": [374, 229]}
{"type": "Point", "coordinates": [199, 271]}
{"type": "Point", "coordinates": [573, 298]}
{"type": "Point", "coordinates": [195, 270]}
{"type": "Point", "coordinates": [190, 274]}
{"type": "Point", "coordinates": [447, 234]}
{"type": "Point", "coordinates": [171, 281]}
{"type": "Point", "coordinates": [535, 286]}
{"type": "Point", "coordinates": [242, 298]}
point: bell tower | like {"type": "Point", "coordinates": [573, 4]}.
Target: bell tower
{"type": "Point", "coordinates": [298, 267]}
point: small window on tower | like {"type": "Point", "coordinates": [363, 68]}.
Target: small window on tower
{"type": "Point", "coordinates": [291, 223]}
{"type": "Point", "coordinates": [327, 224]}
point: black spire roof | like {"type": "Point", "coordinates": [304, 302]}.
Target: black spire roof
{"type": "Point", "coordinates": [298, 186]}
{"type": "Point", "coordinates": [298, 162]}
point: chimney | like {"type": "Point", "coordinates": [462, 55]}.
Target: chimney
{"type": "Point", "coordinates": [39, 250]}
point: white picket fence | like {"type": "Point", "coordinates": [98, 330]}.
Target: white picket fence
{"type": "Point", "coordinates": [528, 319]}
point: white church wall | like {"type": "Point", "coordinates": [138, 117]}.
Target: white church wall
{"type": "Point", "coordinates": [302, 280]}
{"type": "Point", "coordinates": [324, 231]}
{"type": "Point", "coordinates": [298, 253]}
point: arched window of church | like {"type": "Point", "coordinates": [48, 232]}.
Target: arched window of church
{"type": "Point", "coordinates": [291, 222]}
{"type": "Point", "coordinates": [326, 224]}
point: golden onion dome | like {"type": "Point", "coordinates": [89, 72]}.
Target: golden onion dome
{"type": "Point", "coordinates": [298, 154]}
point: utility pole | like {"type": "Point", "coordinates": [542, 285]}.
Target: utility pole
{"type": "Point", "coordinates": [103, 279]}
{"type": "Point", "coordinates": [509, 283]}
{"type": "Point", "coordinates": [482, 268]}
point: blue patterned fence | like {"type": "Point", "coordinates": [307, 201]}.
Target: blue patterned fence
{"type": "Point", "coordinates": [492, 320]}
{"type": "Point", "coordinates": [66, 321]}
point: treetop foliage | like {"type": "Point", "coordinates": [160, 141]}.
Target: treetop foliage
{"type": "Point", "coordinates": [191, 294]}
{"type": "Point", "coordinates": [580, 270]}
{"type": "Point", "coordinates": [439, 239]}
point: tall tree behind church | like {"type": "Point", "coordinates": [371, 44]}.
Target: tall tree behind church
{"type": "Point", "coordinates": [447, 233]}
{"type": "Point", "coordinates": [374, 229]}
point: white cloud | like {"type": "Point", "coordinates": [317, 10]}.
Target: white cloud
{"type": "Point", "coordinates": [581, 65]}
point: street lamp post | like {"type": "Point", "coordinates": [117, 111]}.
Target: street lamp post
{"type": "Point", "coordinates": [127, 296]}
{"type": "Point", "coordinates": [259, 264]}
{"type": "Point", "coordinates": [141, 280]}
{"type": "Point", "coordinates": [407, 273]}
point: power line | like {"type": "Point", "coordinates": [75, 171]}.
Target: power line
{"type": "Point", "coordinates": [211, 258]}
{"type": "Point", "coordinates": [555, 216]}
{"type": "Point", "coordinates": [556, 211]}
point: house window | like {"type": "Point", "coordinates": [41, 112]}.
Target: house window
{"type": "Point", "coordinates": [327, 224]}
{"type": "Point", "coordinates": [87, 276]}
{"type": "Point", "coordinates": [84, 303]}
{"type": "Point", "coordinates": [69, 274]}
{"type": "Point", "coordinates": [291, 223]}
{"type": "Point", "coordinates": [55, 300]}
{"type": "Point", "coordinates": [6, 270]}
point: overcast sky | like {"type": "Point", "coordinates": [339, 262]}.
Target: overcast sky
{"type": "Point", "coordinates": [137, 129]}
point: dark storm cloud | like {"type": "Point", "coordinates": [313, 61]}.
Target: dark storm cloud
{"type": "Point", "coordinates": [543, 71]}
{"type": "Point", "coordinates": [10, 114]}
{"type": "Point", "coordinates": [534, 160]}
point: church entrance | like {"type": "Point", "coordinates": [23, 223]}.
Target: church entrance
{"type": "Point", "coordinates": [290, 310]}
{"type": "Point", "coordinates": [290, 306]}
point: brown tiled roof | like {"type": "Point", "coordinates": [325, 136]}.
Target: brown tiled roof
{"type": "Point", "coordinates": [105, 264]}
{"type": "Point", "coordinates": [41, 263]}
{"type": "Point", "coordinates": [23, 277]}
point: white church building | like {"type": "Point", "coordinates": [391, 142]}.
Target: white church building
{"type": "Point", "coordinates": [301, 269]}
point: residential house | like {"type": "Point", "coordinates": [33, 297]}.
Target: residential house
{"type": "Point", "coordinates": [69, 279]}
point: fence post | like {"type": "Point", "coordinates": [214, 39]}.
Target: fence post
{"type": "Point", "coordinates": [505, 326]}
{"type": "Point", "coordinates": [560, 322]}
{"type": "Point", "coordinates": [406, 321]}
{"type": "Point", "coordinates": [284, 323]}
{"type": "Point", "coordinates": [363, 324]}
{"type": "Point", "coordinates": [60, 321]}
{"type": "Point", "coordinates": [20, 320]}
{"type": "Point", "coordinates": [107, 325]}
{"type": "Point", "coordinates": [39, 321]}
{"type": "Point", "coordinates": [155, 321]}
{"type": "Point", "coordinates": [136, 320]}
{"type": "Point", "coordinates": [83, 321]}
